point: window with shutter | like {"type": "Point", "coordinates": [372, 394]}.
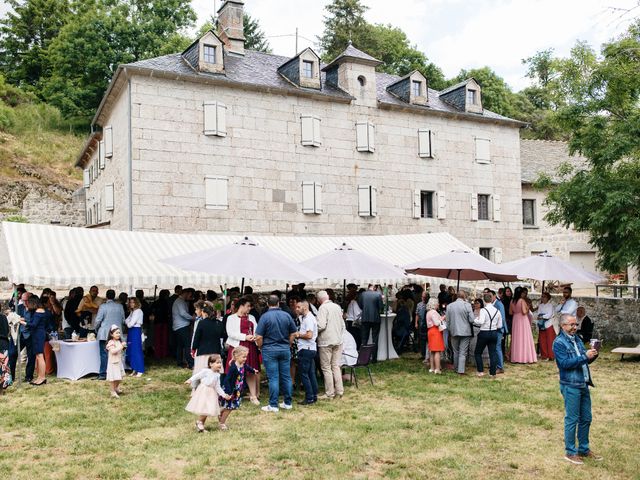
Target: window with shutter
{"type": "Point", "coordinates": [310, 131]}
{"type": "Point", "coordinates": [367, 201]}
{"type": "Point", "coordinates": [483, 150]}
{"type": "Point", "coordinates": [485, 252]}
{"type": "Point", "coordinates": [101, 155]}
{"type": "Point", "coordinates": [425, 143]}
{"type": "Point", "coordinates": [108, 142]}
{"type": "Point", "coordinates": [442, 206]}
{"type": "Point", "coordinates": [215, 119]}
{"type": "Point", "coordinates": [86, 178]}
{"type": "Point", "coordinates": [497, 255]}
{"type": "Point", "coordinates": [109, 197]}
{"type": "Point", "coordinates": [423, 204]}
{"type": "Point", "coordinates": [497, 208]}
{"type": "Point", "coordinates": [311, 197]}
{"type": "Point", "coordinates": [365, 132]}
{"type": "Point", "coordinates": [99, 211]}
{"type": "Point", "coordinates": [416, 204]}
{"type": "Point", "coordinates": [483, 207]}
{"type": "Point", "coordinates": [89, 216]}
{"type": "Point", "coordinates": [216, 192]}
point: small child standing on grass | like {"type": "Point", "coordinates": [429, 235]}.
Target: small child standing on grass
{"type": "Point", "coordinates": [115, 365]}
{"type": "Point", "coordinates": [204, 401]}
{"type": "Point", "coordinates": [234, 382]}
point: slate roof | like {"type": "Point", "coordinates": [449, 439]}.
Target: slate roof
{"type": "Point", "coordinates": [545, 156]}
{"type": "Point", "coordinates": [261, 69]}
{"type": "Point", "coordinates": [353, 52]}
{"type": "Point", "coordinates": [455, 87]}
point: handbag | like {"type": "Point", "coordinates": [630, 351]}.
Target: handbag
{"type": "Point", "coordinates": [443, 326]}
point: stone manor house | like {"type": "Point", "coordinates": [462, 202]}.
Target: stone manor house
{"type": "Point", "coordinates": [220, 139]}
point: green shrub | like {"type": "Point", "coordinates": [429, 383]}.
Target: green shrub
{"type": "Point", "coordinates": [7, 117]}
{"type": "Point", "coordinates": [16, 219]}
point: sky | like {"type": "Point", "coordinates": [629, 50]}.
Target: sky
{"type": "Point", "coordinates": [456, 34]}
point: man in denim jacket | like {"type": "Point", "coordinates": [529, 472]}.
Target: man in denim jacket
{"type": "Point", "coordinates": [575, 378]}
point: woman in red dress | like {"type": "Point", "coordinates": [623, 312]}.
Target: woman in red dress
{"type": "Point", "coordinates": [241, 327]}
{"type": "Point", "coordinates": [435, 341]}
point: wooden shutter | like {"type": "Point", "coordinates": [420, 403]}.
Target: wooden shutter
{"type": "Point", "coordinates": [474, 207]}
{"type": "Point", "coordinates": [497, 208]}
{"type": "Point", "coordinates": [497, 255]}
{"type": "Point", "coordinates": [221, 119]}
{"type": "Point", "coordinates": [108, 142]}
{"type": "Point", "coordinates": [483, 150]}
{"type": "Point", "coordinates": [216, 192]}
{"type": "Point", "coordinates": [108, 197]}
{"type": "Point", "coordinates": [308, 200]}
{"type": "Point", "coordinates": [373, 195]}
{"type": "Point", "coordinates": [86, 178]}
{"type": "Point", "coordinates": [371, 129]}
{"type": "Point", "coordinates": [417, 204]}
{"type": "Point", "coordinates": [210, 118]}
{"type": "Point", "coordinates": [364, 200]}
{"type": "Point", "coordinates": [442, 205]}
{"type": "Point", "coordinates": [101, 155]}
{"type": "Point", "coordinates": [362, 134]}
{"type": "Point", "coordinates": [425, 143]}
{"type": "Point", "coordinates": [307, 130]}
{"type": "Point", "coordinates": [317, 138]}
{"type": "Point", "coordinates": [318, 197]}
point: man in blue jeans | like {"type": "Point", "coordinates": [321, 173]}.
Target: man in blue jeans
{"type": "Point", "coordinates": [274, 335]}
{"type": "Point", "coordinates": [575, 378]}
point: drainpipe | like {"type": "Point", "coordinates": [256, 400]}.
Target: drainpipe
{"type": "Point", "coordinates": [129, 158]}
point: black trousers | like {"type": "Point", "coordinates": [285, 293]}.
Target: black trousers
{"type": "Point", "coordinates": [183, 346]}
{"type": "Point", "coordinates": [487, 339]}
{"type": "Point", "coordinates": [374, 328]}
{"type": "Point", "coordinates": [31, 359]}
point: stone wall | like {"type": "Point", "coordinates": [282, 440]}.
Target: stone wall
{"type": "Point", "coordinates": [616, 320]}
{"type": "Point", "coordinates": [68, 211]}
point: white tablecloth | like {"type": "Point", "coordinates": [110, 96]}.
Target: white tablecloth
{"type": "Point", "coordinates": [385, 343]}
{"type": "Point", "coordinates": [77, 359]}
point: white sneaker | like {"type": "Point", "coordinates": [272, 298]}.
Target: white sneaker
{"type": "Point", "coordinates": [431, 370]}
{"type": "Point", "coordinates": [285, 406]}
{"type": "Point", "coordinates": [269, 408]}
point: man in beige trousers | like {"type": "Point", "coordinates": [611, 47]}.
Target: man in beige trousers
{"type": "Point", "coordinates": [331, 328]}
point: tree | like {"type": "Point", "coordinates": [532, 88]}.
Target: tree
{"type": "Point", "coordinates": [602, 114]}
{"type": "Point", "coordinates": [496, 94]}
{"type": "Point", "coordinates": [389, 44]}
{"type": "Point", "coordinates": [25, 34]}
{"type": "Point", "coordinates": [254, 36]}
{"type": "Point", "coordinates": [89, 48]}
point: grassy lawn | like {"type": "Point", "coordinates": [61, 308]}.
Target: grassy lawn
{"type": "Point", "coordinates": [409, 425]}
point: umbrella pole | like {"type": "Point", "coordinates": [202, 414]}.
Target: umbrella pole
{"type": "Point", "coordinates": [344, 291]}
{"type": "Point", "coordinates": [542, 291]}
{"type": "Point", "coordinates": [242, 287]}
{"type": "Point", "coordinates": [458, 289]}
{"type": "Point", "coordinates": [155, 292]}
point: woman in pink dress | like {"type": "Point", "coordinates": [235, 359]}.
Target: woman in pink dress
{"type": "Point", "coordinates": [523, 349]}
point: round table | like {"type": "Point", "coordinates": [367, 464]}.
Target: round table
{"type": "Point", "coordinates": [76, 359]}
{"type": "Point", "coordinates": [385, 342]}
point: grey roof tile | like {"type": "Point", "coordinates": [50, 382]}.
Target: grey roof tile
{"type": "Point", "coordinates": [545, 156]}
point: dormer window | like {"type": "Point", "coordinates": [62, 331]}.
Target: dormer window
{"type": "Point", "coordinates": [472, 97]}
{"type": "Point", "coordinates": [307, 69]}
{"type": "Point", "coordinates": [416, 88]}
{"type": "Point", "coordinates": [209, 54]}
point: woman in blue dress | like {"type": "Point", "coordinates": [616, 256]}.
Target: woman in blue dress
{"type": "Point", "coordinates": [135, 355]}
{"type": "Point", "coordinates": [38, 322]}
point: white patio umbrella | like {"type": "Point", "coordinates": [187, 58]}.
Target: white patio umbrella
{"type": "Point", "coordinates": [244, 260]}
{"type": "Point", "coordinates": [547, 267]}
{"type": "Point", "coordinates": [460, 265]}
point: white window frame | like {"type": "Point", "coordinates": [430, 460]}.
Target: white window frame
{"type": "Point", "coordinates": [108, 141]}
{"type": "Point", "coordinates": [215, 119]}
{"type": "Point", "coordinates": [419, 211]}
{"type": "Point", "coordinates": [482, 150]}
{"type": "Point", "coordinates": [533, 213]}
{"type": "Point", "coordinates": [365, 137]}
{"type": "Point", "coordinates": [305, 64]}
{"type": "Point", "coordinates": [488, 206]}
{"type": "Point", "coordinates": [367, 201]}
{"type": "Point", "coordinates": [312, 198]}
{"type": "Point", "coordinates": [220, 186]}
{"type": "Point", "coordinates": [205, 47]}
{"type": "Point", "coordinates": [426, 143]}
{"type": "Point", "coordinates": [472, 96]}
{"type": "Point", "coordinates": [310, 130]}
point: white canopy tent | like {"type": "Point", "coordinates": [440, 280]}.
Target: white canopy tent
{"type": "Point", "coordinates": [63, 257]}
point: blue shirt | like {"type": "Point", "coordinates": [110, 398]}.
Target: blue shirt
{"type": "Point", "coordinates": [275, 327]}
{"type": "Point", "coordinates": [500, 306]}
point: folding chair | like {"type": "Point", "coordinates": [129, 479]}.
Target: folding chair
{"type": "Point", "coordinates": [364, 359]}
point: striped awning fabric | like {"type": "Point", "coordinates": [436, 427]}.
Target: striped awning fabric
{"type": "Point", "coordinates": [62, 257]}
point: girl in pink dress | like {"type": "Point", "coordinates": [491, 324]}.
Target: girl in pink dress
{"type": "Point", "coordinates": [523, 349]}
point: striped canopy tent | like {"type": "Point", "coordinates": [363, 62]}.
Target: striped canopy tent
{"type": "Point", "coordinates": [63, 257]}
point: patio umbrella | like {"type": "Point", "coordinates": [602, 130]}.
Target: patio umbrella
{"type": "Point", "coordinates": [547, 267]}
{"type": "Point", "coordinates": [245, 259]}
{"type": "Point", "coordinates": [460, 265]}
{"type": "Point", "coordinates": [350, 265]}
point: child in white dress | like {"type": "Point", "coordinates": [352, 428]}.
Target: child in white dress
{"type": "Point", "coordinates": [115, 365]}
{"type": "Point", "coordinates": [204, 401]}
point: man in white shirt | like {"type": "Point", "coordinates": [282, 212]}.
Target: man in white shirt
{"type": "Point", "coordinates": [567, 306]}
{"type": "Point", "coordinates": [489, 321]}
{"type": "Point", "coordinates": [306, 335]}
{"type": "Point", "coordinates": [331, 329]}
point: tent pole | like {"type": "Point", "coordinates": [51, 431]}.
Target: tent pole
{"type": "Point", "coordinates": [155, 292]}
{"type": "Point", "coordinates": [19, 366]}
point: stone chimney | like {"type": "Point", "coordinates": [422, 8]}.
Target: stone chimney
{"type": "Point", "coordinates": [231, 26]}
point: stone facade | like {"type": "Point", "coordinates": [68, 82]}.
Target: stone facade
{"type": "Point", "coordinates": [616, 321]}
